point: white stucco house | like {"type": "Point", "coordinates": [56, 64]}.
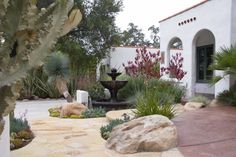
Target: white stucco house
{"type": "Point", "coordinates": [197, 32]}
{"type": "Point", "coordinates": [202, 29]}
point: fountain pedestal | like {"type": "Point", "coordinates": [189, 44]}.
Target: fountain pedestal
{"type": "Point", "coordinates": [113, 86]}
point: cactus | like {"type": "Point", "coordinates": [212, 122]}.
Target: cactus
{"type": "Point", "coordinates": [27, 35]}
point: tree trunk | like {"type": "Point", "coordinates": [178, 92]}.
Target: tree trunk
{"type": "Point", "coordinates": [62, 88]}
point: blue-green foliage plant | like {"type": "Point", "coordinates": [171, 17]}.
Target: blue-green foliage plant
{"type": "Point", "coordinates": [105, 131]}
{"type": "Point", "coordinates": [94, 113]}
{"type": "Point", "coordinates": [18, 124]}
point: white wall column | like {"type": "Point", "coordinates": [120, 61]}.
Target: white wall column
{"type": "Point", "coordinates": [223, 84]}
{"type": "Point", "coordinates": [5, 139]}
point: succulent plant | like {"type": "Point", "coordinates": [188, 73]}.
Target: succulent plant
{"type": "Point", "coordinates": [27, 35]}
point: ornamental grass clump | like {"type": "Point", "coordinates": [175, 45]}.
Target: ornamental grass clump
{"type": "Point", "coordinates": [151, 102]}
{"type": "Point", "coordinates": [133, 86]}
{"type": "Point", "coordinates": [228, 96]}
{"type": "Point", "coordinates": [167, 87]}
{"type": "Point", "coordinates": [201, 99]}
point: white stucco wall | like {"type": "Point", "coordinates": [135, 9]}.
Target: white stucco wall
{"type": "Point", "coordinates": [5, 140]}
{"type": "Point", "coordinates": [215, 16]}
{"type": "Point", "coordinates": [120, 55]}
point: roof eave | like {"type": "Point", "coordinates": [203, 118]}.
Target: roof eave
{"type": "Point", "coordinates": [194, 6]}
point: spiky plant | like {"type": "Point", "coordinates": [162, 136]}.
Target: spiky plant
{"type": "Point", "coordinates": [57, 69]}
{"type": "Point", "coordinates": [27, 34]}
{"type": "Point", "coordinates": [225, 60]}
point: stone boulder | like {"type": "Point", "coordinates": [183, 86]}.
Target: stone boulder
{"type": "Point", "coordinates": [154, 133]}
{"type": "Point", "coordinates": [190, 106]}
{"type": "Point", "coordinates": [73, 108]}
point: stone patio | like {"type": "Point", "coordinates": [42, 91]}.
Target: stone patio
{"type": "Point", "coordinates": [69, 137]}
{"type": "Point", "coordinates": [207, 132]}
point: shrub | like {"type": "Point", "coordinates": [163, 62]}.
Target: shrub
{"type": "Point", "coordinates": [94, 113]}
{"type": "Point", "coordinates": [96, 91]}
{"type": "Point", "coordinates": [133, 86]}
{"type": "Point", "coordinates": [168, 87]}
{"type": "Point", "coordinates": [145, 64]}
{"type": "Point", "coordinates": [228, 96]}
{"type": "Point", "coordinates": [151, 102]}
{"type": "Point", "coordinates": [18, 124]}
{"type": "Point", "coordinates": [176, 67]}
{"type": "Point", "coordinates": [137, 85]}
{"type": "Point", "coordinates": [200, 98]}
{"type": "Point", "coordinates": [106, 130]}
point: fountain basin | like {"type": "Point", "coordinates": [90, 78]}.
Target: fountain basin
{"type": "Point", "coordinates": [111, 105]}
{"type": "Point", "coordinates": [113, 84]}
{"type": "Point", "coordinates": [113, 87]}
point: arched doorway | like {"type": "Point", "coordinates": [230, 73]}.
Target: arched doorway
{"type": "Point", "coordinates": [203, 50]}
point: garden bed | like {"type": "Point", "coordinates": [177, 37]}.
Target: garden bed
{"type": "Point", "coordinates": [89, 113]}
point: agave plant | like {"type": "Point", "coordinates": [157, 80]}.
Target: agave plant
{"type": "Point", "coordinates": [57, 69]}
{"type": "Point", "coordinates": [225, 60]}
{"type": "Point", "coordinates": [27, 34]}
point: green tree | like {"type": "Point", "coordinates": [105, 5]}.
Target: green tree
{"type": "Point", "coordinates": [97, 31]}
{"type": "Point", "coordinates": [57, 70]}
{"type": "Point", "coordinates": [133, 36]}
{"type": "Point", "coordinates": [155, 36]}
{"type": "Point", "coordinates": [92, 39]}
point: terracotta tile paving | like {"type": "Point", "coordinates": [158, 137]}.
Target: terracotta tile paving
{"type": "Point", "coordinates": [208, 132]}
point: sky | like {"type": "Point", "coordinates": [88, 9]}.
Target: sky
{"type": "Point", "coordinates": [145, 13]}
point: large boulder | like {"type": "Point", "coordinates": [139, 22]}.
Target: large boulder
{"type": "Point", "coordinates": [190, 106]}
{"type": "Point", "coordinates": [74, 108]}
{"type": "Point", "coordinates": [154, 133]}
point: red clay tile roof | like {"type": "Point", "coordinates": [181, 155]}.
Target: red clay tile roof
{"type": "Point", "coordinates": [196, 5]}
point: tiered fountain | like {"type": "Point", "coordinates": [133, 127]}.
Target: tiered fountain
{"type": "Point", "coordinates": [113, 86]}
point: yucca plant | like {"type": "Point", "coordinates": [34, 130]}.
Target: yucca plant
{"type": "Point", "coordinates": [57, 69]}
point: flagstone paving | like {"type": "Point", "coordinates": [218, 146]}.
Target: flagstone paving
{"type": "Point", "coordinates": [55, 137]}
{"type": "Point", "coordinates": [207, 132]}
